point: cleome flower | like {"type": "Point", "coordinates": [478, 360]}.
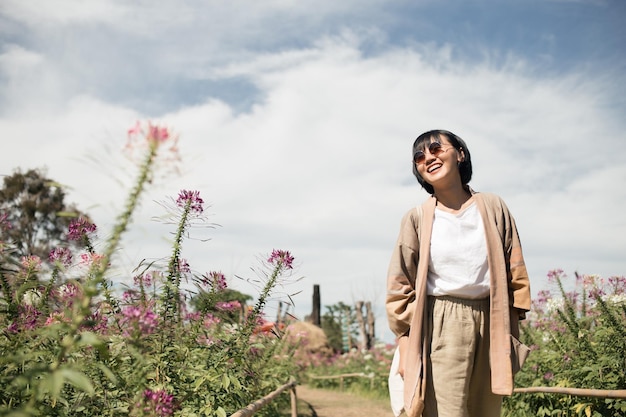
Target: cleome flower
{"type": "Point", "coordinates": [215, 279]}
{"type": "Point", "coordinates": [61, 255]}
{"type": "Point", "coordinates": [80, 228]}
{"type": "Point", "coordinates": [191, 198]}
{"type": "Point", "coordinates": [157, 403]}
{"type": "Point", "coordinates": [281, 258]}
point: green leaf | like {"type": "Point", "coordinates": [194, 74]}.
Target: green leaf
{"type": "Point", "coordinates": [220, 412]}
{"type": "Point", "coordinates": [107, 372]}
{"type": "Point", "coordinates": [225, 381]}
{"type": "Point", "coordinates": [235, 382]}
{"type": "Point", "coordinates": [78, 380]}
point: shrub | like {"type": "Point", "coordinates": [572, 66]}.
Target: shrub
{"type": "Point", "coordinates": [578, 339]}
{"type": "Point", "coordinates": [372, 364]}
{"type": "Point", "coordinates": [69, 346]}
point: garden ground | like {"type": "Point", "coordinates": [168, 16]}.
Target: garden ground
{"type": "Point", "coordinates": [315, 402]}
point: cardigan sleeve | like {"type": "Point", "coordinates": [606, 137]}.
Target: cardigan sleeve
{"type": "Point", "coordinates": [519, 283]}
{"type": "Point", "coordinates": [401, 276]}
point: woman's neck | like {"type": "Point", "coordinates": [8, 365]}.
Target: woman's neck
{"type": "Point", "coordinates": [453, 199]}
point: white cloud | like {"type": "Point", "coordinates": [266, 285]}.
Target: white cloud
{"type": "Point", "coordinates": [320, 163]}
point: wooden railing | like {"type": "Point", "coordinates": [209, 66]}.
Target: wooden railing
{"type": "Point", "coordinates": [255, 406]}
{"type": "Point", "coordinates": [579, 392]}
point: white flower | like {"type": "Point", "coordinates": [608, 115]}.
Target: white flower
{"type": "Point", "coordinates": [554, 304]}
{"type": "Point", "coordinates": [31, 297]}
{"type": "Point", "coordinates": [617, 299]}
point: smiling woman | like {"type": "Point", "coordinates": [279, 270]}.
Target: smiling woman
{"type": "Point", "coordinates": [456, 289]}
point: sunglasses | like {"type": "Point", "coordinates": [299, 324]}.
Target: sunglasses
{"type": "Point", "coordinates": [434, 148]}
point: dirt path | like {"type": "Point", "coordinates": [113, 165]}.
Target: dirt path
{"type": "Point", "coordinates": [326, 403]}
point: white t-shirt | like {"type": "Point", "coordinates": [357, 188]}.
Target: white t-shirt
{"type": "Point", "coordinates": [458, 255]}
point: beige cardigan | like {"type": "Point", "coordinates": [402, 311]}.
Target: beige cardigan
{"type": "Point", "coordinates": [509, 294]}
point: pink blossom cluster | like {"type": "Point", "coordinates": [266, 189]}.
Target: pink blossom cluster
{"type": "Point", "coordinates": [158, 403]}
{"type": "Point", "coordinates": [144, 279]}
{"type": "Point", "coordinates": [80, 228]}
{"type": "Point", "coordinates": [191, 198]}
{"type": "Point", "coordinates": [68, 293]}
{"type": "Point", "coordinates": [138, 319]}
{"type": "Point", "coordinates": [216, 280]}
{"type": "Point", "coordinates": [31, 263]}
{"type": "Point", "coordinates": [62, 255]}
{"type": "Point", "coordinates": [210, 321]}
{"type": "Point", "coordinates": [281, 258]}
{"type": "Point", "coordinates": [183, 266]}
{"type": "Point", "coordinates": [28, 317]}
{"type": "Point", "coordinates": [228, 305]}
{"type": "Point", "coordinates": [152, 133]}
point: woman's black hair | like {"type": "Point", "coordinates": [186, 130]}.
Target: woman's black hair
{"type": "Point", "coordinates": [465, 166]}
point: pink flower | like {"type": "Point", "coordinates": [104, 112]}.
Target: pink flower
{"type": "Point", "coordinates": [144, 280]}
{"type": "Point", "coordinates": [191, 198]}
{"type": "Point", "coordinates": [153, 133]}
{"type": "Point", "coordinates": [68, 293]}
{"type": "Point", "coordinates": [210, 321]}
{"type": "Point", "coordinates": [31, 263]}
{"type": "Point", "coordinates": [555, 275]}
{"type": "Point", "coordinates": [216, 280]}
{"type": "Point", "coordinates": [138, 320]}
{"type": "Point", "coordinates": [57, 317]}
{"type": "Point", "coordinates": [62, 255]}
{"type": "Point", "coordinates": [157, 133]}
{"type": "Point", "coordinates": [157, 403]}
{"type": "Point", "coordinates": [183, 266]}
{"type": "Point", "coordinates": [80, 228]}
{"type": "Point", "coordinates": [134, 130]}
{"type": "Point", "coordinates": [228, 305]}
{"type": "Point", "coordinates": [27, 319]}
{"type": "Point", "coordinates": [91, 259]}
{"type": "Point", "coordinates": [281, 258]}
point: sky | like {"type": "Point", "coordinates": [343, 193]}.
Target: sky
{"type": "Point", "coordinates": [296, 120]}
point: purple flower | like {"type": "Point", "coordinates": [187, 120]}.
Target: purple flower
{"type": "Point", "coordinates": [158, 403]}
{"type": "Point", "coordinates": [144, 280]}
{"type": "Point", "coordinates": [183, 266]}
{"type": "Point", "coordinates": [548, 376]}
{"type": "Point", "coordinates": [31, 263]}
{"type": "Point", "coordinates": [68, 293]}
{"type": "Point", "coordinates": [618, 284]}
{"type": "Point", "coordinates": [210, 320]}
{"type": "Point", "coordinates": [555, 275]}
{"type": "Point", "coordinates": [228, 305]}
{"type": "Point", "coordinates": [62, 255]}
{"type": "Point", "coordinates": [216, 280]}
{"type": "Point", "coordinates": [27, 319]}
{"type": "Point", "coordinates": [138, 319]}
{"type": "Point", "coordinates": [191, 198]}
{"type": "Point", "coordinates": [80, 228]}
{"type": "Point", "coordinates": [281, 258]}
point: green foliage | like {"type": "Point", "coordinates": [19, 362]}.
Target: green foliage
{"type": "Point", "coordinates": [35, 208]}
{"type": "Point", "coordinates": [70, 347]}
{"type": "Point", "coordinates": [336, 321]}
{"type": "Point", "coordinates": [206, 301]}
{"type": "Point", "coordinates": [578, 340]}
{"type": "Point", "coordinates": [372, 367]}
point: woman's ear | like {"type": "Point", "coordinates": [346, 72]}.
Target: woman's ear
{"type": "Point", "coordinates": [461, 155]}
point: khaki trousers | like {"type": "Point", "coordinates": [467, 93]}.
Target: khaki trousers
{"type": "Point", "coordinates": [458, 371]}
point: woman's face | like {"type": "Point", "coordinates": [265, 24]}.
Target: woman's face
{"type": "Point", "coordinates": [439, 165]}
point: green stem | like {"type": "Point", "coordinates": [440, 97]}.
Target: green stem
{"type": "Point", "coordinates": [172, 290]}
